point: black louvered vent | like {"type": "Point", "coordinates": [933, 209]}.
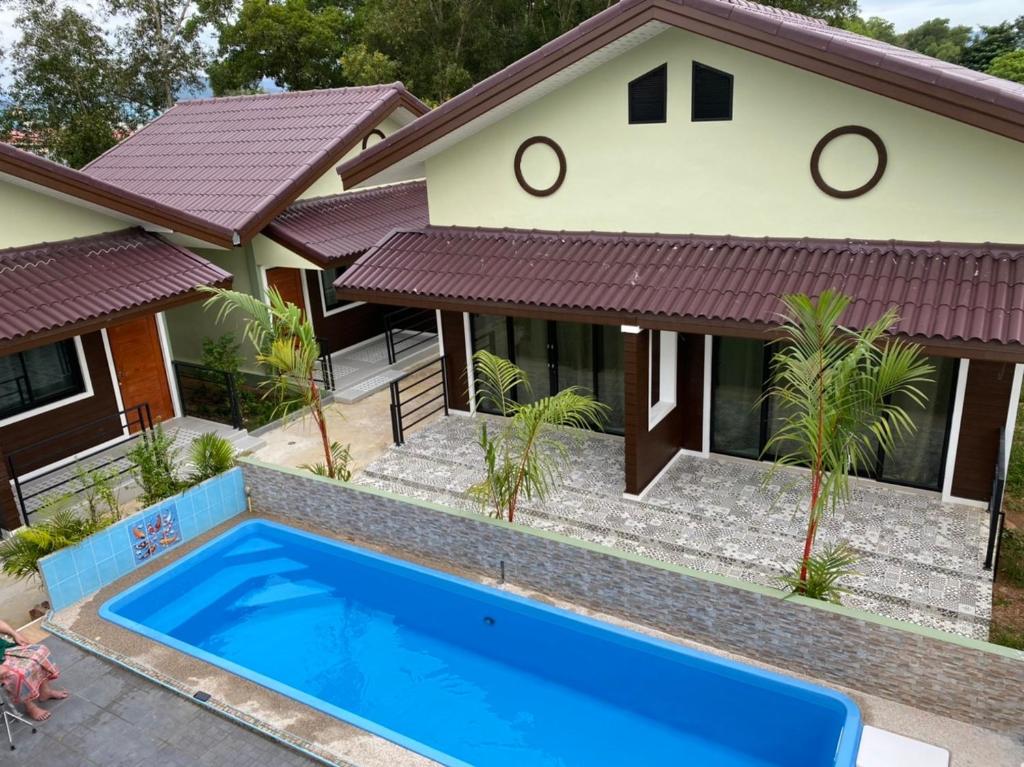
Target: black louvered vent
{"type": "Point", "coordinates": [647, 96]}
{"type": "Point", "coordinates": [712, 93]}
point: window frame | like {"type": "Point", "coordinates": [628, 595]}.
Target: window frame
{"type": "Point", "coordinates": [84, 375]}
{"type": "Point", "coordinates": [325, 312]}
{"type": "Point", "coordinates": [693, 94]}
{"type": "Point", "coordinates": [664, 97]}
{"type": "Point", "coordinates": [667, 358]}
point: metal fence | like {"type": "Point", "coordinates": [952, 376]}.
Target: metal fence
{"type": "Point", "coordinates": [417, 395]}
{"type": "Point", "coordinates": [33, 490]}
{"type": "Point", "coordinates": [996, 515]}
{"type": "Point", "coordinates": [407, 330]}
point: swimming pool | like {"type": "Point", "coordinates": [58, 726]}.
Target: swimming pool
{"type": "Point", "coordinates": [470, 675]}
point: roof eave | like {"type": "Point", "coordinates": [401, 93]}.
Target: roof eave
{"type": "Point", "coordinates": [58, 178]}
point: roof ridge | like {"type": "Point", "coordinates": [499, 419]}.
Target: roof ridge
{"type": "Point", "coordinates": [396, 85]}
{"type": "Point", "coordinates": [725, 239]}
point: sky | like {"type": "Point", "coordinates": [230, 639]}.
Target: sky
{"type": "Point", "coordinates": [909, 13]}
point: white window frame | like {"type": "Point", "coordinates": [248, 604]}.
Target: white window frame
{"type": "Point", "coordinates": [86, 380]}
{"type": "Point", "coordinates": [323, 299]}
{"type": "Point", "coordinates": [668, 367]}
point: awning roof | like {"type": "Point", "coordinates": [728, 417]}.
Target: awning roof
{"type": "Point", "coordinates": [334, 230]}
{"type": "Point", "coordinates": [945, 292]}
{"type": "Point", "coordinates": [53, 289]}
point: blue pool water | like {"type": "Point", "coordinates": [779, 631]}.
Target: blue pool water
{"type": "Point", "coordinates": [470, 675]}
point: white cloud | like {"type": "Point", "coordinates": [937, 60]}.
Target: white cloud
{"type": "Point", "coordinates": [909, 13]}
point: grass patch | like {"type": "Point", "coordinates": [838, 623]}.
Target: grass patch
{"type": "Point", "coordinates": [1007, 627]}
{"type": "Point", "coordinates": [1007, 636]}
{"type": "Point", "coordinates": [1011, 558]}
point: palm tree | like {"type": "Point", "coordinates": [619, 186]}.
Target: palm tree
{"type": "Point", "coordinates": [286, 345]}
{"type": "Point", "coordinates": [839, 391]}
{"type": "Point", "coordinates": [527, 455]}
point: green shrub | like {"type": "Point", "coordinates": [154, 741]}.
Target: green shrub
{"type": "Point", "coordinates": [222, 354]}
{"type": "Point", "coordinates": [341, 456]}
{"type": "Point", "coordinates": [211, 455]}
{"type": "Point", "coordinates": [825, 570]}
{"type": "Point", "coordinates": [155, 466]}
{"type": "Point", "coordinates": [20, 554]}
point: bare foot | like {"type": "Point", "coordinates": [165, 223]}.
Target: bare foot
{"type": "Point", "coordinates": [55, 695]}
{"type": "Point", "coordinates": [36, 713]}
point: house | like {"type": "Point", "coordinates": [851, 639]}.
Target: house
{"type": "Point", "coordinates": [623, 208]}
{"type": "Point", "coordinates": [87, 273]}
{"type": "Point", "coordinates": [254, 167]}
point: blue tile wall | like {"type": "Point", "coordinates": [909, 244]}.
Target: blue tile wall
{"type": "Point", "coordinates": [74, 573]}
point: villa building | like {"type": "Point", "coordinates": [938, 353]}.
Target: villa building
{"type": "Point", "coordinates": [623, 208]}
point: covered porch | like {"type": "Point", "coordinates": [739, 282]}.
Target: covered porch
{"type": "Point", "coordinates": [920, 558]}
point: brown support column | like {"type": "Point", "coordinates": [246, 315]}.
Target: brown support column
{"type": "Point", "coordinates": [454, 338]}
{"type": "Point", "coordinates": [10, 519]}
{"type": "Point", "coordinates": [691, 390]}
{"type": "Point", "coordinates": [985, 410]}
{"type": "Point", "coordinates": [635, 415]}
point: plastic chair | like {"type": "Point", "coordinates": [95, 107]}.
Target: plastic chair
{"type": "Point", "coordinates": [11, 715]}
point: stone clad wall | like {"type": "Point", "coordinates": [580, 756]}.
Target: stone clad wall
{"type": "Point", "coordinates": [961, 678]}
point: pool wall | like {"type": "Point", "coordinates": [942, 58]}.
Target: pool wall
{"type": "Point", "coordinates": [74, 573]}
{"type": "Point", "coordinates": [953, 676]}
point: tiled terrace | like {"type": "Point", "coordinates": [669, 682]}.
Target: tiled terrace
{"type": "Point", "coordinates": [115, 718]}
{"type": "Point", "coordinates": [920, 559]}
{"type": "Point", "coordinates": [362, 370]}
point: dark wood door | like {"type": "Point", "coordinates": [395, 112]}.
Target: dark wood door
{"type": "Point", "coordinates": [287, 282]}
{"type": "Point", "coordinates": [139, 366]}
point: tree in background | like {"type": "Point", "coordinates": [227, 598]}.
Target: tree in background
{"type": "Point", "coordinates": [874, 26]}
{"type": "Point", "coordinates": [991, 43]}
{"type": "Point", "coordinates": [938, 39]}
{"type": "Point", "coordinates": [162, 47]}
{"type": "Point", "coordinates": [835, 12]}
{"type": "Point", "coordinates": [65, 98]}
{"type": "Point", "coordinates": [298, 44]}
{"type": "Point", "coordinates": [1009, 66]}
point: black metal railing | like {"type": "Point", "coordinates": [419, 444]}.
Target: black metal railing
{"type": "Point", "coordinates": [996, 515]}
{"type": "Point", "coordinates": [213, 395]}
{"type": "Point", "coordinates": [325, 370]}
{"type": "Point", "coordinates": [417, 395]}
{"type": "Point", "coordinates": [110, 430]}
{"type": "Point", "coordinates": [406, 330]}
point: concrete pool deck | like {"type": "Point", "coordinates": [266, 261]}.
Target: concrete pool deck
{"type": "Point", "coordinates": [339, 743]}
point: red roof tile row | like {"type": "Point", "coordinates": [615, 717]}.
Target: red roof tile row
{"type": "Point", "coordinates": [332, 230]}
{"type": "Point", "coordinates": [230, 160]}
{"type": "Point", "coordinates": [946, 291]}
{"type": "Point", "coordinates": [54, 285]}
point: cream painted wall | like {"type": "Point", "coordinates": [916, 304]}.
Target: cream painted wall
{"type": "Point", "coordinates": [29, 217]}
{"type": "Point", "coordinates": [750, 176]}
{"type": "Point", "coordinates": [330, 182]}
{"type": "Point", "coordinates": [188, 325]}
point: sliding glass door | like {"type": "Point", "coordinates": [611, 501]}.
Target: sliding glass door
{"type": "Point", "coordinates": [557, 355]}
{"type": "Point", "coordinates": [743, 420]}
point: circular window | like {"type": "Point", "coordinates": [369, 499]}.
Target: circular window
{"type": "Point", "coordinates": [828, 138]}
{"type": "Point", "coordinates": [375, 132]}
{"type": "Point", "coordinates": [518, 165]}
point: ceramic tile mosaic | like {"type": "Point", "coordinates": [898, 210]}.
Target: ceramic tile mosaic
{"type": "Point", "coordinates": [920, 559]}
{"type": "Point", "coordinates": [76, 572]}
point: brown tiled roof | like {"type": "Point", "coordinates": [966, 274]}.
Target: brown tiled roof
{"type": "Point", "coordinates": [60, 178]}
{"type": "Point", "coordinates": [56, 286]}
{"type": "Point", "coordinates": [942, 291]}
{"type": "Point", "coordinates": [237, 161]}
{"type": "Point", "coordinates": [973, 97]}
{"type": "Point", "coordinates": [336, 229]}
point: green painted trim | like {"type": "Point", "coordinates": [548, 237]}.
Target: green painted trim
{"type": "Point", "coordinates": [817, 604]}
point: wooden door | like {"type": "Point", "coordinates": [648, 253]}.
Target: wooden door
{"type": "Point", "coordinates": [287, 282]}
{"type": "Point", "coordinates": [139, 366]}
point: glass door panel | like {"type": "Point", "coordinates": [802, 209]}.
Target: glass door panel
{"type": "Point", "coordinates": [530, 352]}
{"type": "Point", "coordinates": [735, 411]}
{"type": "Point", "coordinates": [918, 459]}
{"type": "Point", "coordinates": [611, 376]}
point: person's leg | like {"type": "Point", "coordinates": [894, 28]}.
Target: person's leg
{"type": "Point", "coordinates": [35, 711]}
{"type": "Point", "coordinates": [46, 692]}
